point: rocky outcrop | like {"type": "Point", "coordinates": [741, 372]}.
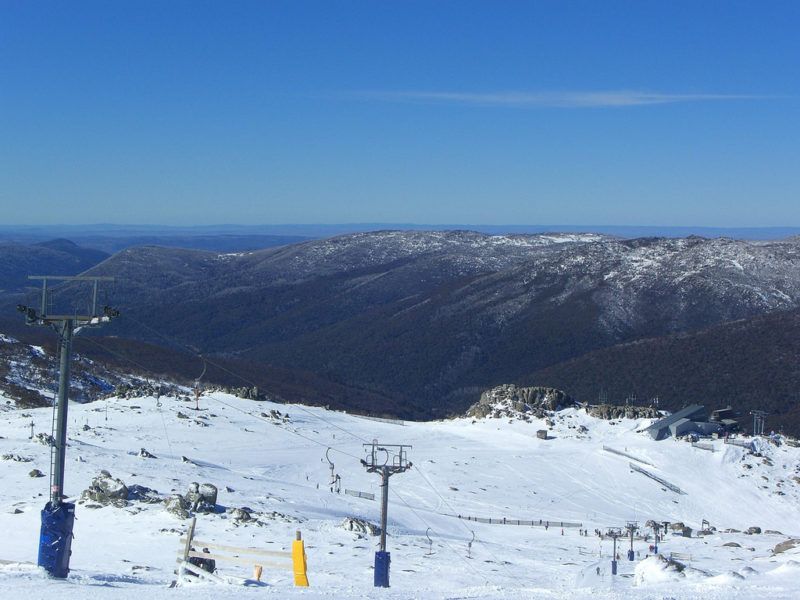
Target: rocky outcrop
{"type": "Point", "coordinates": [144, 494]}
{"type": "Point", "coordinates": [202, 498]}
{"type": "Point", "coordinates": [141, 389]}
{"type": "Point", "coordinates": [177, 506]}
{"type": "Point", "coordinates": [786, 545]}
{"type": "Point", "coordinates": [45, 439]}
{"type": "Point", "coordinates": [16, 458]}
{"type": "Point", "coordinates": [520, 402]}
{"type": "Point", "coordinates": [145, 454]}
{"type": "Point", "coordinates": [610, 412]}
{"type": "Point", "coordinates": [753, 530]}
{"type": "Point", "coordinates": [360, 526]}
{"type": "Point", "coordinates": [105, 490]}
{"type": "Point", "coordinates": [241, 515]}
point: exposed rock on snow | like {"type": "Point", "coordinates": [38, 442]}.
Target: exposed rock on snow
{"type": "Point", "coordinates": [360, 526]}
{"type": "Point", "coordinates": [520, 402]}
{"type": "Point", "coordinates": [106, 490]}
{"type": "Point", "coordinates": [786, 545]}
{"type": "Point", "coordinates": [145, 454]}
{"type": "Point", "coordinates": [202, 498]}
{"type": "Point", "coordinates": [240, 515]}
{"type": "Point", "coordinates": [753, 530]}
{"type": "Point", "coordinates": [177, 506]}
{"type": "Point", "coordinates": [144, 494]}
{"type": "Point", "coordinates": [610, 412]}
{"type": "Point", "coordinates": [16, 458]}
{"type": "Point", "coordinates": [45, 439]}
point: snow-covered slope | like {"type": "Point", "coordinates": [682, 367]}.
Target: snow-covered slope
{"type": "Point", "coordinates": [491, 468]}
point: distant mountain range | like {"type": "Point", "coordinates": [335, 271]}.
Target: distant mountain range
{"type": "Point", "coordinates": [233, 238]}
{"type": "Point", "coordinates": [417, 324]}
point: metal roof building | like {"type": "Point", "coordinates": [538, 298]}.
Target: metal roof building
{"type": "Point", "coordinates": [662, 428]}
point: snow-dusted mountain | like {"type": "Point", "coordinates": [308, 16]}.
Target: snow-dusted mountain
{"type": "Point", "coordinates": [268, 461]}
{"type": "Point", "coordinates": [418, 323]}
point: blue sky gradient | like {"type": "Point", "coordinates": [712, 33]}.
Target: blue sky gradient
{"type": "Point", "coordinates": [495, 112]}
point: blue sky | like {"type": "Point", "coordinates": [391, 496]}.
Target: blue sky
{"type": "Point", "coordinates": [494, 112]}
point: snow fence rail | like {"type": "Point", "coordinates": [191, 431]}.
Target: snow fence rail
{"type": "Point", "coordinates": [254, 557]}
{"type": "Point", "coordinates": [506, 521]}
{"type": "Point", "coordinates": [655, 477]}
{"type": "Point", "coordinates": [626, 455]}
{"type": "Point", "coordinates": [702, 446]}
{"type": "Point", "coordinates": [741, 443]}
{"type": "Point", "coordinates": [383, 420]}
{"type": "Point", "coordinates": [357, 494]}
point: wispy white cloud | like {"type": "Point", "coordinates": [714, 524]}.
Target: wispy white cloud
{"type": "Point", "coordinates": [512, 99]}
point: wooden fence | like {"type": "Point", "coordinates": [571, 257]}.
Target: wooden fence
{"type": "Point", "coordinates": [294, 561]}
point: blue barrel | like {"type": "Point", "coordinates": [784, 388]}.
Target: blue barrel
{"type": "Point", "coordinates": [382, 560]}
{"type": "Point", "coordinates": [55, 538]}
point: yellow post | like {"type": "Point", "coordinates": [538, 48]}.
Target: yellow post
{"type": "Point", "coordinates": [299, 560]}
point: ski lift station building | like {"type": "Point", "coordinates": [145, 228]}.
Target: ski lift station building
{"type": "Point", "coordinates": [691, 419]}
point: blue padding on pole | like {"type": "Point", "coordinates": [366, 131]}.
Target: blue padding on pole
{"type": "Point", "coordinates": [55, 539]}
{"type": "Point", "coordinates": [613, 567]}
{"type": "Point", "coordinates": [630, 554]}
{"type": "Point", "coordinates": [382, 560]}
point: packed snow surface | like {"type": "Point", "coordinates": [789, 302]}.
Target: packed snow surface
{"type": "Point", "coordinates": [492, 468]}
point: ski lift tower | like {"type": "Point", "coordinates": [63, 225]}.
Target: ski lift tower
{"type": "Point", "coordinates": [58, 517]}
{"type": "Point", "coordinates": [614, 533]}
{"type": "Point", "coordinates": [632, 528]}
{"type": "Point", "coordinates": [386, 459]}
{"type": "Point", "coordinates": [759, 418]}
{"type": "Point", "coordinates": [656, 530]}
